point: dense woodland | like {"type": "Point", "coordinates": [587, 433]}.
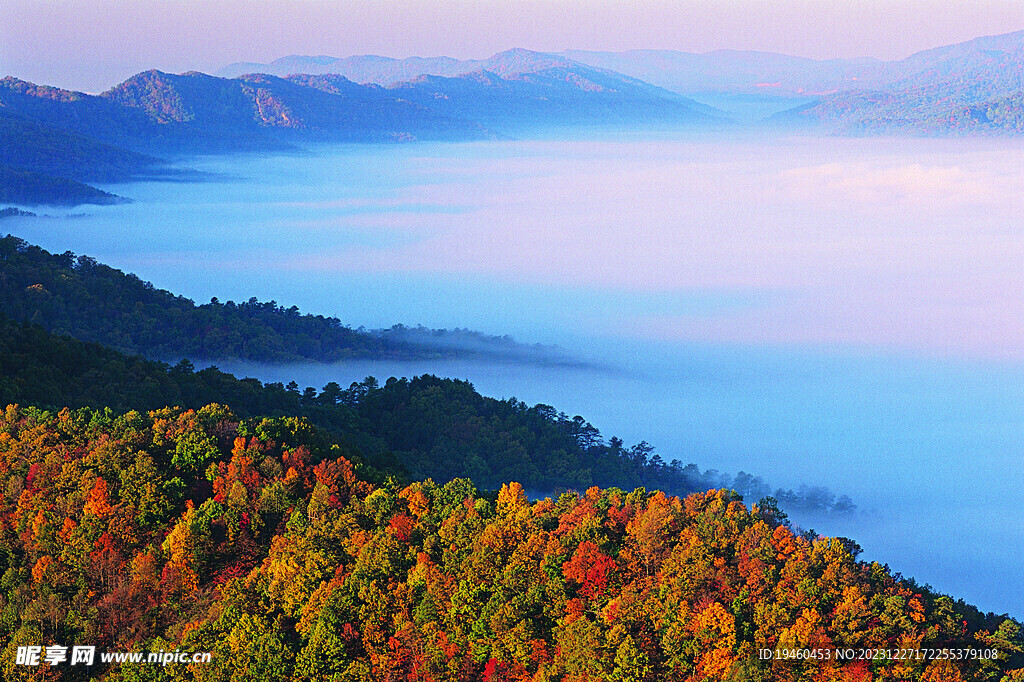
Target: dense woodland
{"type": "Point", "coordinates": [258, 540]}
{"type": "Point", "coordinates": [450, 429]}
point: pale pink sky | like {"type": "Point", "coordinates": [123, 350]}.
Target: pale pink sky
{"type": "Point", "coordinates": [93, 44]}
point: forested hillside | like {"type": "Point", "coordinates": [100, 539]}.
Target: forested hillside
{"type": "Point", "coordinates": [93, 302]}
{"type": "Point", "coordinates": [971, 88]}
{"type": "Point", "coordinates": [258, 541]}
{"type": "Point", "coordinates": [43, 160]}
{"type": "Point", "coordinates": [34, 147]}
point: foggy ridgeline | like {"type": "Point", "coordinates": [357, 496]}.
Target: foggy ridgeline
{"type": "Point", "coordinates": [76, 296]}
{"type": "Point", "coordinates": [410, 428]}
{"type": "Point", "coordinates": [83, 299]}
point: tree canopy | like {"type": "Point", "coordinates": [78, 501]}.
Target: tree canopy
{"type": "Point", "coordinates": [259, 541]}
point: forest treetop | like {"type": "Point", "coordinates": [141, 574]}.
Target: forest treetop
{"type": "Point", "coordinates": [259, 541]}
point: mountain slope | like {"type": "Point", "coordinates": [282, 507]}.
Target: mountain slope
{"type": "Point", "coordinates": [973, 87]}
{"type": "Point", "coordinates": [985, 68]}
{"type": "Point", "coordinates": [90, 116]}
{"type": "Point", "coordinates": [258, 105]}
{"type": "Point", "coordinates": [514, 89]}
{"type": "Point", "coordinates": [31, 146]}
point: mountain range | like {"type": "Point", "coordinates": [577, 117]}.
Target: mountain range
{"type": "Point", "coordinates": [198, 112]}
{"type": "Point", "coordinates": [53, 141]}
{"type": "Point", "coordinates": [970, 87]}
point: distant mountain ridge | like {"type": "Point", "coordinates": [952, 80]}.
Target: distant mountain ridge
{"type": "Point", "coordinates": [681, 72]}
{"type": "Point", "coordinates": [968, 88]}
{"type": "Point", "coordinates": [56, 140]}
{"type": "Point", "coordinates": [373, 69]}
{"type": "Point", "coordinates": [157, 114]}
{"type": "Point", "coordinates": [973, 87]}
{"type": "Point", "coordinates": [736, 71]}
{"type": "Point", "coordinates": [195, 111]}
{"type": "Point", "coordinates": [378, 70]}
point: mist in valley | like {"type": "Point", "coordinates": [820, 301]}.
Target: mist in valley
{"type": "Point", "coordinates": [822, 312]}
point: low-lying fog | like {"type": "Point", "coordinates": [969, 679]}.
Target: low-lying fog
{"type": "Point", "coordinates": [832, 312]}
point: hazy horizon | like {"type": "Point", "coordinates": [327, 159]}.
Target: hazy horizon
{"type": "Point", "coordinates": [92, 45]}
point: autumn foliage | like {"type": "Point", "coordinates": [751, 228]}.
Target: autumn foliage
{"type": "Point", "coordinates": [260, 541]}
